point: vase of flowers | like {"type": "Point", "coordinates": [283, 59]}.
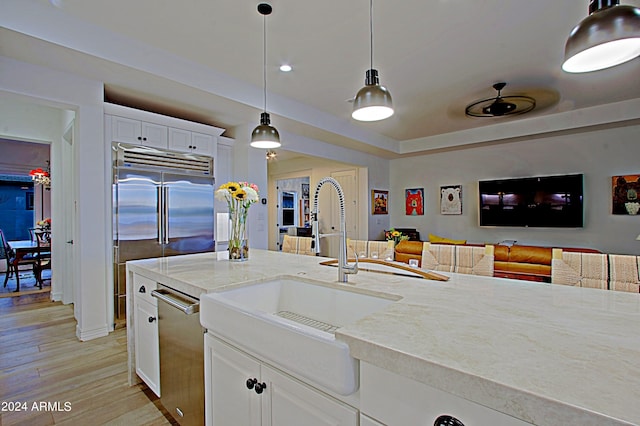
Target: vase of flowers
{"type": "Point", "coordinates": [44, 224]}
{"type": "Point", "coordinates": [395, 236]}
{"type": "Point", "coordinates": [239, 197]}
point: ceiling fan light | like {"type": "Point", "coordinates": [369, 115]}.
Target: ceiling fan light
{"type": "Point", "coordinates": [607, 37]}
{"type": "Point", "coordinates": [373, 102]}
{"type": "Point", "coordinates": [501, 106]}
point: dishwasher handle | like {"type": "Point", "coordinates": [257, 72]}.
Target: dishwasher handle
{"type": "Point", "coordinates": [180, 302]}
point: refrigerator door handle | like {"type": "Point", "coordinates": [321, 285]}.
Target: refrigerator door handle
{"type": "Point", "coordinates": [159, 211]}
{"type": "Point", "coordinates": [165, 224]}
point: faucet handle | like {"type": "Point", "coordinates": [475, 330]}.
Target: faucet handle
{"type": "Point", "coordinates": [352, 269]}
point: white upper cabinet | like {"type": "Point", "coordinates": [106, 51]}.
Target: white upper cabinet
{"type": "Point", "coordinates": [185, 141]}
{"type": "Point", "coordinates": [138, 132]}
{"type": "Point", "coordinates": [137, 127]}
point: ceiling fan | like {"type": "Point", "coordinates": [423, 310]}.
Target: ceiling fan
{"type": "Point", "coordinates": [501, 106]}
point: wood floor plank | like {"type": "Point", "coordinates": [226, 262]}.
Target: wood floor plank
{"type": "Point", "coordinates": [42, 361]}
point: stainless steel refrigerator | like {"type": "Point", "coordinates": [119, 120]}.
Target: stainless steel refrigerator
{"type": "Point", "coordinates": [163, 205]}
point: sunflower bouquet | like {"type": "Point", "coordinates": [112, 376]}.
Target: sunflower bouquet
{"type": "Point", "coordinates": [239, 197]}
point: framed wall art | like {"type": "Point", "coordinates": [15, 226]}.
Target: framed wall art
{"type": "Point", "coordinates": [414, 201]}
{"type": "Point", "coordinates": [379, 201]}
{"type": "Point", "coordinates": [451, 199]}
{"type": "Point", "coordinates": [626, 194]}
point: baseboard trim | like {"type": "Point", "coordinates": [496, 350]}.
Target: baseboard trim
{"type": "Point", "coordinates": [84, 335]}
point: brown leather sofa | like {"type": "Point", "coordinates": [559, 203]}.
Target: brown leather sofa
{"type": "Point", "coordinates": [522, 262]}
{"type": "Point", "coordinates": [407, 249]}
{"type": "Point", "coordinates": [530, 263]}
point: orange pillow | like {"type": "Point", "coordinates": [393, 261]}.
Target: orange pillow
{"type": "Point", "coordinates": [437, 239]}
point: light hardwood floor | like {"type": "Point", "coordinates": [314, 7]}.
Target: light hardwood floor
{"type": "Point", "coordinates": [83, 383]}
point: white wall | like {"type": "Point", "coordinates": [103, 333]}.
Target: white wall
{"type": "Point", "coordinates": [598, 154]}
{"type": "Point", "coordinates": [49, 87]}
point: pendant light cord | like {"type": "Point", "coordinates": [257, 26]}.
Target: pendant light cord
{"type": "Point", "coordinates": [371, 29]}
{"type": "Point", "coordinates": [264, 59]}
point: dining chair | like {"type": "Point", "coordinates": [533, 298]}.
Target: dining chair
{"type": "Point", "coordinates": [13, 264]}
{"type": "Point", "coordinates": [43, 257]}
{"type": "Point", "coordinates": [290, 244]}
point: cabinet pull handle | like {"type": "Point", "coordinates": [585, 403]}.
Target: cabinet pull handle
{"type": "Point", "coordinates": [251, 383]}
{"type": "Point", "coordinates": [151, 319]}
{"type": "Point", "coordinates": [260, 387]}
{"type": "Point", "coordinates": [142, 289]}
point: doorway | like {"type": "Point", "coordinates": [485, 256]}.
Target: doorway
{"type": "Point", "coordinates": [293, 213]}
{"type": "Point", "coordinates": [25, 206]}
{"type": "Point", "coordinates": [40, 136]}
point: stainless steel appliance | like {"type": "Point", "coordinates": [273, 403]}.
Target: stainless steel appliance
{"type": "Point", "coordinates": [163, 205]}
{"type": "Point", "coordinates": [181, 355]}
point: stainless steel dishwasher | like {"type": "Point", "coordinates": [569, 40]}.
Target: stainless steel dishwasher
{"type": "Point", "coordinates": [181, 355]}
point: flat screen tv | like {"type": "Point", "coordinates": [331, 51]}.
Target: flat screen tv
{"type": "Point", "coordinates": [544, 201]}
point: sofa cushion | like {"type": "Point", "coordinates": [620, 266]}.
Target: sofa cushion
{"type": "Point", "coordinates": [501, 253]}
{"type": "Point", "coordinates": [409, 247]}
{"type": "Point", "coordinates": [406, 250]}
{"type": "Point", "coordinates": [443, 240]}
{"type": "Point", "coordinates": [530, 254]}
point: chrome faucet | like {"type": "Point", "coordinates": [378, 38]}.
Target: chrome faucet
{"type": "Point", "coordinates": [343, 266]}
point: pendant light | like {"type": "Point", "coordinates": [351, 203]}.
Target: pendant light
{"type": "Point", "coordinates": [373, 102]}
{"type": "Point", "coordinates": [265, 135]}
{"type": "Point", "coordinates": [609, 36]}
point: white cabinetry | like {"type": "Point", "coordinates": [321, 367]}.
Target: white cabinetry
{"type": "Point", "coordinates": [186, 141]}
{"type": "Point", "coordinates": [147, 357]}
{"type": "Point", "coordinates": [138, 132]}
{"type": "Point", "coordinates": [396, 400]}
{"type": "Point", "coordinates": [138, 127]}
{"type": "Point", "coordinates": [241, 390]}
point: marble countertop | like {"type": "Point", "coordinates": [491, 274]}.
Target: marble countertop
{"type": "Point", "coordinates": [546, 354]}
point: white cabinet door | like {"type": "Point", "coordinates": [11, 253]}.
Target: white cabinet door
{"type": "Point", "coordinates": [179, 140]}
{"type": "Point", "coordinates": [126, 130]}
{"type": "Point", "coordinates": [146, 341]}
{"type": "Point", "coordinates": [228, 401]}
{"type": "Point", "coordinates": [138, 132]}
{"type": "Point", "coordinates": [203, 144]}
{"type": "Point", "coordinates": [282, 400]}
{"type": "Point", "coordinates": [290, 402]}
{"type": "Point", "coordinates": [154, 135]}
{"type": "Point", "coordinates": [187, 141]}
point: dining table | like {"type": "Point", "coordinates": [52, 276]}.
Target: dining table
{"type": "Point", "coordinates": [23, 249]}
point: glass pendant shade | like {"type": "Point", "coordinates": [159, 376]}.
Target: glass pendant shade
{"type": "Point", "coordinates": [265, 135]}
{"type": "Point", "coordinates": [373, 102]}
{"type": "Point", "coordinates": [609, 36]}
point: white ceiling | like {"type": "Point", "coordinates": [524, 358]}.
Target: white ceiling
{"type": "Point", "coordinates": [202, 59]}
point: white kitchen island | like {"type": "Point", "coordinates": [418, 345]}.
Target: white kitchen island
{"type": "Point", "coordinates": [545, 354]}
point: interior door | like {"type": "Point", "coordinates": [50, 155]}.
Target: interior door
{"type": "Point", "coordinates": [189, 221]}
{"type": "Point", "coordinates": [68, 201]}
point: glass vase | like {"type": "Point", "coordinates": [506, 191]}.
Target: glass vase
{"type": "Point", "coordinates": [238, 250]}
{"type": "Point", "coordinates": [238, 240]}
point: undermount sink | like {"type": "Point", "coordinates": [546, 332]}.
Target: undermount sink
{"type": "Point", "coordinates": [291, 322]}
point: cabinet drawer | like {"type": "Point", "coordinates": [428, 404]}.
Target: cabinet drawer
{"type": "Point", "coordinates": [142, 288]}
{"type": "Point", "coordinates": [396, 400]}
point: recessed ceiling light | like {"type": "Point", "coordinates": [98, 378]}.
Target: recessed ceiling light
{"type": "Point", "coordinates": [285, 68]}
